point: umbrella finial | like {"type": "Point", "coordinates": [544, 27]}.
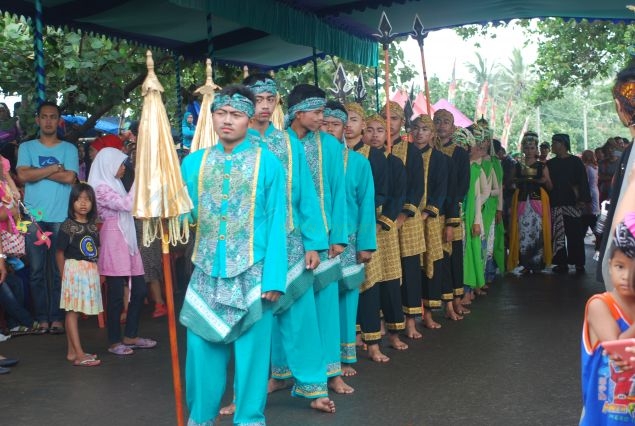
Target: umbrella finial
{"type": "Point", "coordinates": [151, 82]}
{"type": "Point", "coordinates": [245, 71]}
{"type": "Point", "coordinates": [208, 72]}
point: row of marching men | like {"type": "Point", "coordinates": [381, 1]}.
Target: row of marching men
{"type": "Point", "coordinates": [372, 229]}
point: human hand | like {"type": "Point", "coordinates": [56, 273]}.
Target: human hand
{"type": "Point", "coordinates": [499, 216]}
{"type": "Point", "coordinates": [425, 215]}
{"type": "Point", "coordinates": [3, 271]}
{"type": "Point", "coordinates": [335, 249]}
{"type": "Point", "coordinates": [364, 256]}
{"type": "Point", "coordinates": [449, 234]}
{"type": "Point", "coordinates": [271, 296]}
{"type": "Point", "coordinates": [311, 259]}
{"type": "Point", "coordinates": [400, 220]}
{"type": "Point", "coordinates": [476, 230]}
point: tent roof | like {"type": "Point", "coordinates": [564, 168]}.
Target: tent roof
{"type": "Point", "coordinates": [278, 33]}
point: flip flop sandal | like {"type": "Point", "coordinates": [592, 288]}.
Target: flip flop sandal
{"type": "Point", "coordinates": [121, 350]}
{"type": "Point", "coordinates": [142, 343]}
{"type": "Point", "coordinates": [87, 362]}
{"type": "Point", "coordinates": [57, 330]}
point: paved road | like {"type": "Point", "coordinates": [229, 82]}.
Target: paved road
{"type": "Point", "coordinates": [513, 361]}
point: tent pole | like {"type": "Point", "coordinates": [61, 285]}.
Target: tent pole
{"type": "Point", "coordinates": [315, 68]}
{"type": "Point", "coordinates": [179, 95]}
{"type": "Point", "coordinates": [38, 47]}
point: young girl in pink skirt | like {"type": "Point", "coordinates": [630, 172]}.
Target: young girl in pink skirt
{"type": "Point", "coordinates": [77, 251]}
{"type": "Point", "coordinates": [119, 259]}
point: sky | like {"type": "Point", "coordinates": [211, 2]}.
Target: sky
{"type": "Point", "coordinates": [443, 47]}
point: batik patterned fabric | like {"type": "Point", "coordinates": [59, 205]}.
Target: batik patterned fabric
{"type": "Point", "coordinates": [233, 183]}
{"type": "Point", "coordinates": [221, 309]}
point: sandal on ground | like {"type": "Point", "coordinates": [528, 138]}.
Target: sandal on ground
{"type": "Point", "coordinates": [121, 350]}
{"type": "Point", "coordinates": [56, 330]}
{"type": "Point", "coordinates": [87, 362]}
{"type": "Point", "coordinates": [142, 343]}
{"type": "Point", "coordinates": [160, 310]}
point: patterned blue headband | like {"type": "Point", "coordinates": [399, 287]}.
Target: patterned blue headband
{"type": "Point", "coordinates": [266, 86]}
{"type": "Point", "coordinates": [237, 101]}
{"type": "Point", "coordinates": [309, 104]}
{"type": "Point", "coordinates": [336, 113]}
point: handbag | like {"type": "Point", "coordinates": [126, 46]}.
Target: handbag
{"type": "Point", "coordinates": [13, 244]}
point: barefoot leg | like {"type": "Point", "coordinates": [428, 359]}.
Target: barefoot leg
{"type": "Point", "coordinates": [411, 329]}
{"type": "Point", "coordinates": [338, 385]}
{"type": "Point", "coordinates": [228, 410]}
{"type": "Point", "coordinates": [323, 404]}
{"type": "Point", "coordinates": [276, 385]}
{"type": "Point", "coordinates": [428, 322]}
{"type": "Point", "coordinates": [375, 354]}
{"type": "Point", "coordinates": [450, 313]}
{"type": "Point", "coordinates": [348, 371]}
{"type": "Point", "coordinates": [396, 342]}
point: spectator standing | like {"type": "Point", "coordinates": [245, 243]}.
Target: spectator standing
{"type": "Point", "coordinates": [48, 166]}
{"type": "Point", "coordinates": [607, 168]}
{"type": "Point", "coordinates": [545, 149]}
{"type": "Point", "coordinates": [569, 195]}
{"type": "Point", "coordinates": [590, 216]}
{"type": "Point", "coordinates": [187, 130]}
{"type": "Point", "coordinates": [9, 127]}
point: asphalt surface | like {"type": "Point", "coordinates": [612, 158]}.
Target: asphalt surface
{"type": "Point", "coordinates": [514, 361]}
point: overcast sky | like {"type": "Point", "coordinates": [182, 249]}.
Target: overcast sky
{"type": "Point", "coordinates": [444, 46]}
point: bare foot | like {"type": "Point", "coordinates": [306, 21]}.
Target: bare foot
{"type": "Point", "coordinates": [348, 371]}
{"type": "Point", "coordinates": [411, 329]}
{"type": "Point", "coordinates": [375, 354]}
{"type": "Point", "coordinates": [338, 385]}
{"type": "Point", "coordinates": [428, 322]}
{"type": "Point", "coordinates": [466, 300]}
{"type": "Point", "coordinates": [228, 410]}
{"type": "Point", "coordinates": [359, 342]}
{"type": "Point", "coordinates": [451, 314]}
{"type": "Point", "coordinates": [323, 404]}
{"type": "Point", "coordinates": [480, 292]}
{"type": "Point", "coordinates": [396, 342]}
{"type": "Point", "coordinates": [275, 385]}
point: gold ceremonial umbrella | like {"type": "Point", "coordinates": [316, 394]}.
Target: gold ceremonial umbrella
{"type": "Point", "coordinates": [161, 198]}
{"type": "Point", "coordinates": [277, 118]}
{"type": "Point", "coordinates": [204, 135]}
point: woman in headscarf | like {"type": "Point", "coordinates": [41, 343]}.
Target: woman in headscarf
{"type": "Point", "coordinates": [119, 258]}
{"type": "Point", "coordinates": [187, 129]}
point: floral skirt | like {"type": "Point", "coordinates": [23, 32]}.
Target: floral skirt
{"type": "Point", "coordinates": [81, 291]}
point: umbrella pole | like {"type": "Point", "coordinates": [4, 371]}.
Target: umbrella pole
{"type": "Point", "coordinates": [174, 349]}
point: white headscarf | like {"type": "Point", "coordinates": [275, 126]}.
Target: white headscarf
{"type": "Point", "coordinates": [102, 172]}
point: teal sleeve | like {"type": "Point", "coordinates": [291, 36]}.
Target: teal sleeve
{"type": "Point", "coordinates": [307, 206]}
{"type": "Point", "coordinates": [366, 231]}
{"type": "Point", "coordinates": [274, 275]}
{"type": "Point", "coordinates": [189, 172]}
{"type": "Point", "coordinates": [334, 161]}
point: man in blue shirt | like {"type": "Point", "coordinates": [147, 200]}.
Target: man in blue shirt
{"type": "Point", "coordinates": [48, 166]}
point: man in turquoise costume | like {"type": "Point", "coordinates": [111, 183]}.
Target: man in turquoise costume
{"type": "Point", "coordinates": [296, 344]}
{"type": "Point", "coordinates": [362, 241]}
{"type": "Point", "coordinates": [238, 189]}
{"type": "Point", "coordinates": [324, 156]}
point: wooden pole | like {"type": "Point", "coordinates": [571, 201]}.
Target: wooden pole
{"type": "Point", "coordinates": [174, 348]}
{"type": "Point", "coordinates": [425, 78]}
{"type": "Point", "coordinates": [387, 90]}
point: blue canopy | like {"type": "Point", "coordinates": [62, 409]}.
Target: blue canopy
{"type": "Point", "coordinates": [276, 33]}
{"type": "Point", "coordinates": [105, 124]}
